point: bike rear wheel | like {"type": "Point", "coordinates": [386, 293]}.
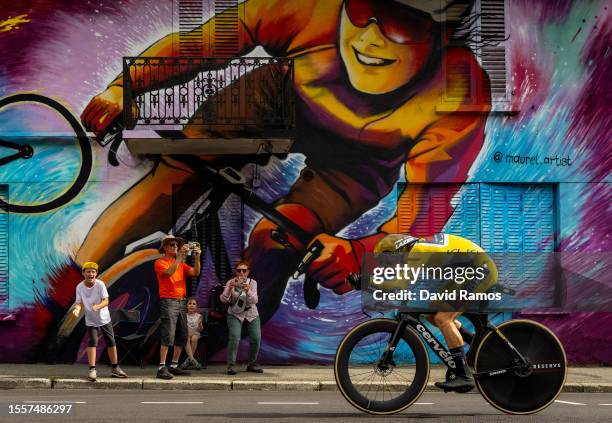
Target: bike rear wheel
{"type": "Point", "coordinates": [368, 384]}
{"type": "Point", "coordinates": [521, 392]}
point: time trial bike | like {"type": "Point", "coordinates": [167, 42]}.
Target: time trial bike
{"type": "Point", "coordinates": [382, 365]}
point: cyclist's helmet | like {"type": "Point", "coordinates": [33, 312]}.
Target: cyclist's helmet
{"type": "Point", "coordinates": [395, 243]}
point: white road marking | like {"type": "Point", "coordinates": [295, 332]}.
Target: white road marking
{"type": "Point", "coordinates": [287, 403]}
{"type": "Point", "coordinates": [55, 402]}
{"type": "Point", "coordinates": [605, 404]}
{"type": "Point", "coordinates": [424, 403]}
{"type": "Point", "coordinates": [569, 402]}
{"type": "Point", "coordinates": [171, 402]}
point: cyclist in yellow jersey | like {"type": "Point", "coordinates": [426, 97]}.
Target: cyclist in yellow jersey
{"type": "Point", "coordinates": [447, 322]}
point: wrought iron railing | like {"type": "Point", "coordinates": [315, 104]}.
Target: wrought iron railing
{"type": "Point", "coordinates": [247, 96]}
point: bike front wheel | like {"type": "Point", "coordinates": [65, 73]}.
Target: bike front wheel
{"type": "Point", "coordinates": [371, 385]}
{"type": "Point", "coordinates": [528, 390]}
{"type": "Point", "coordinates": [76, 183]}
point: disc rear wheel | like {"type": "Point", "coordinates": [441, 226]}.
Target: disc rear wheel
{"type": "Point", "coordinates": [527, 390]}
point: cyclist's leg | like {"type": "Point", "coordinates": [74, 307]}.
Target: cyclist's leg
{"type": "Point", "coordinates": [445, 321]}
{"type": "Point", "coordinates": [142, 210]}
{"type": "Point", "coordinates": [464, 381]}
{"type": "Point", "coordinates": [430, 319]}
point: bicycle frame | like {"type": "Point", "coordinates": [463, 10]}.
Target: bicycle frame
{"type": "Point", "coordinates": [482, 325]}
{"type": "Point", "coordinates": [231, 181]}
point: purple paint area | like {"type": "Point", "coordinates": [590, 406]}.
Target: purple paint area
{"type": "Point", "coordinates": [584, 334]}
{"type": "Point", "coordinates": [16, 337]}
{"type": "Point", "coordinates": [544, 11]}
{"type": "Point", "coordinates": [70, 50]}
{"type": "Point", "coordinates": [592, 121]}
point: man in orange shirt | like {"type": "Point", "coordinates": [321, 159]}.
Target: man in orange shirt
{"type": "Point", "coordinates": [171, 271]}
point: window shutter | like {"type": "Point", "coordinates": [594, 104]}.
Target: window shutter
{"type": "Point", "coordinates": [459, 81]}
{"type": "Point", "coordinates": [190, 27]}
{"type": "Point", "coordinates": [489, 45]}
{"type": "Point", "coordinates": [226, 28]}
{"type": "Point", "coordinates": [4, 254]}
{"type": "Point", "coordinates": [493, 28]}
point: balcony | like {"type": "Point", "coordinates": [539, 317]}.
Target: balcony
{"type": "Point", "coordinates": [198, 105]}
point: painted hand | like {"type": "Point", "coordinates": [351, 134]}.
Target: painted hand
{"type": "Point", "coordinates": [336, 262]}
{"type": "Point", "coordinates": [103, 109]}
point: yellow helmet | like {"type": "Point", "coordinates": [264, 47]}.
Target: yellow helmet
{"type": "Point", "coordinates": [90, 265]}
{"type": "Point", "coordinates": [395, 243]}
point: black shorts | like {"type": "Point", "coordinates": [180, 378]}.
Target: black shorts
{"type": "Point", "coordinates": [107, 333]}
{"type": "Point", "coordinates": [173, 328]}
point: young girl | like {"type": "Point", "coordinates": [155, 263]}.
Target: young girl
{"type": "Point", "coordinates": [194, 326]}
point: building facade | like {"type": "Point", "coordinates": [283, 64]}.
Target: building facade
{"type": "Point", "coordinates": [488, 119]}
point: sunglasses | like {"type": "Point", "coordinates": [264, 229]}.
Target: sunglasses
{"type": "Point", "coordinates": [172, 244]}
{"type": "Point", "coordinates": [242, 270]}
{"type": "Point", "coordinates": [399, 23]}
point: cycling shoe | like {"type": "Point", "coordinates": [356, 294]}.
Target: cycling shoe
{"type": "Point", "coordinates": [461, 384]}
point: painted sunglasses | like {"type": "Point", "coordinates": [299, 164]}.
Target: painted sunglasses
{"type": "Point", "coordinates": [399, 23]}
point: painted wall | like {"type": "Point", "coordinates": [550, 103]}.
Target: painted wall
{"type": "Point", "coordinates": [368, 117]}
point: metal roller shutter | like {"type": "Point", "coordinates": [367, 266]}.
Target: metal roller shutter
{"type": "Point", "coordinates": [425, 209]}
{"type": "Point", "coordinates": [520, 219]}
{"type": "Point", "coordinates": [517, 218]}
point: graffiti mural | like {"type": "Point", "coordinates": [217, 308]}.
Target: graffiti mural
{"type": "Point", "coordinates": [391, 98]}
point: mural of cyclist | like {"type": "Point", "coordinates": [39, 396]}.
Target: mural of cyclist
{"type": "Point", "coordinates": [368, 77]}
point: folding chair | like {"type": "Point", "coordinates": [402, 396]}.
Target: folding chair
{"type": "Point", "coordinates": [133, 340]}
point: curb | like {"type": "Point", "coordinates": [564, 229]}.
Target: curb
{"type": "Point", "coordinates": [101, 383]}
{"type": "Point", "coordinates": [25, 383]}
{"type": "Point", "coordinates": [223, 385]}
{"type": "Point", "coordinates": [600, 388]}
{"type": "Point", "coordinates": [329, 385]}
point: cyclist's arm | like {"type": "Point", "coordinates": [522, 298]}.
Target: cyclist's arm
{"type": "Point", "coordinates": [444, 153]}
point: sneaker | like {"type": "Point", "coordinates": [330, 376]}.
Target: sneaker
{"type": "Point", "coordinates": [117, 372]}
{"type": "Point", "coordinates": [185, 364]}
{"type": "Point", "coordinates": [194, 363]}
{"type": "Point", "coordinates": [163, 373]}
{"type": "Point", "coordinates": [92, 375]}
{"type": "Point", "coordinates": [461, 384]}
{"type": "Point", "coordinates": [176, 371]}
{"type": "Point", "coordinates": [254, 368]}
{"type": "Point", "coordinates": [231, 371]}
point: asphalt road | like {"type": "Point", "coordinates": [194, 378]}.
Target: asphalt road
{"type": "Point", "coordinates": [267, 407]}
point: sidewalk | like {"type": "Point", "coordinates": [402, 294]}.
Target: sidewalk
{"type": "Point", "coordinates": [275, 378]}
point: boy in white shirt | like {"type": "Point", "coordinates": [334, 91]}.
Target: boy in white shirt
{"type": "Point", "coordinates": [91, 294]}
